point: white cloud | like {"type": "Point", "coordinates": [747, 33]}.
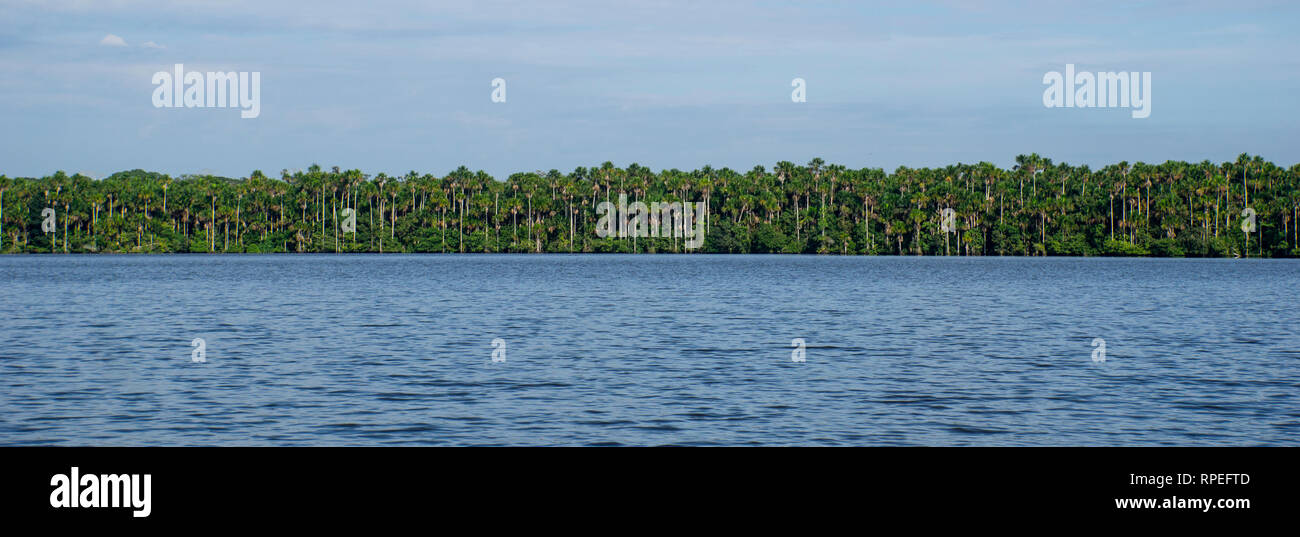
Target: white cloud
{"type": "Point", "coordinates": [151, 44]}
{"type": "Point", "coordinates": [111, 40]}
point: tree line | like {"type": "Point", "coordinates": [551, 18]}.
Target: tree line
{"type": "Point", "coordinates": [1035, 208]}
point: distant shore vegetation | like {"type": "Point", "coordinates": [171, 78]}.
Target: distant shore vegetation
{"type": "Point", "coordinates": [1035, 208]}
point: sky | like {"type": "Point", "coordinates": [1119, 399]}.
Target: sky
{"type": "Point", "coordinates": [403, 85]}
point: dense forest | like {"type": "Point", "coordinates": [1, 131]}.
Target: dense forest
{"type": "Point", "coordinates": [1035, 208]}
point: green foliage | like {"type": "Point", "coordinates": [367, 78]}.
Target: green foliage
{"type": "Point", "coordinates": [1121, 248]}
{"type": "Point", "coordinates": [1035, 208]}
{"type": "Point", "coordinates": [1071, 245]}
{"type": "Point", "coordinates": [1166, 248]}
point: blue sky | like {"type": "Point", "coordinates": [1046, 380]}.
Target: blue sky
{"type": "Point", "coordinates": [398, 86]}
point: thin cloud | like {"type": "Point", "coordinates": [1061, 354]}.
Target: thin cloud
{"type": "Point", "coordinates": [111, 40]}
{"type": "Point", "coordinates": [151, 44]}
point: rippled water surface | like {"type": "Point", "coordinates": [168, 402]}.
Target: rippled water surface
{"type": "Point", "coordinates": [376, 350]}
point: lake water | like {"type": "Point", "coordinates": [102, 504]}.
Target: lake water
{"type": "Point", "coordinates": [650, 349]}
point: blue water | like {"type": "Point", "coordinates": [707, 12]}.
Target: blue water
{"type": "Point", "coordinates": [646, 350]}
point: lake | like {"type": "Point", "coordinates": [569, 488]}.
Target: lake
{"type": "Point", "coordinates": [647, 350]}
